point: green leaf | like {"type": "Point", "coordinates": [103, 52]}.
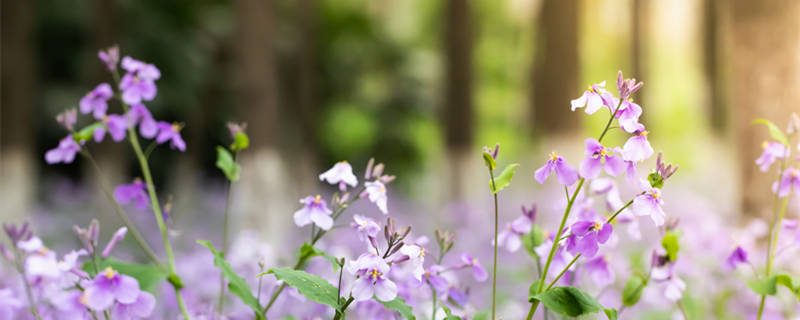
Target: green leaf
{"type": "Point", "coordinates": [483, 315]}
{"type": "Point", "coordinates": [489, 161]}
{"type": "Point", "coordinates": [569, 301]}
{"type": "Point", "coordinates": [87, 132]}
{"type": "Point", "coordinates": [309, 251]}
{"type": "Point", "coordinates": [774, 131]}
{"type": "Point", "coordinates": [236, 284]}
{"type": "Point", "coordinates": [671, 245]}
{"type": "Point", "coordinates": [655, 179]}
{"type": "Point", "coordinates": [533, 290]}
{"type": "Point", "coordinates": [633, 290]}
{"type": "Point", "coordinates": [764, 286]}
{"type": "Point", "coordinates": [227, 165]}
{"type": "Point", "coordinates": [533, 239]}
{"type": "Point", "coordinates": [311, 286]}
{"type": "Point", "coordinates": [399, 305]}
{"type": "Point", "coordinates": [611, 313]}
{"type": "Point", "coordinates": [147, 275]}
{"type": "Point", "coordinates": [504, 179]}
{"type": "Point", "coordinates": [240, 142]}
{"type": "Point", "coordinates": [448, 314]}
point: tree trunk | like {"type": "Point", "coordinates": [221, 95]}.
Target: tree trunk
{"type": "Point", "coordinates": [17, 161]}
{"type": "Point", "coordinates": [711, 55]}
{"type": "Point", "coordinates": [556, 67]}
{"type": "Point", "coordinates": [764, 48]}
{"type": "Point", "coordinates": [263, 176]}
{"type": "Point", "coordinates": [640, 10]}
{"type": "Point", "coordinates": [458, 115]}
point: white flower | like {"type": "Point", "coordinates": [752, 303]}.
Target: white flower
{"type": "Point", "coordinates": [341, 174]}
{"type": "Point", "coordinates": [377, 194]}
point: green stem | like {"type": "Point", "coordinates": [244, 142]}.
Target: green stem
{"type": "Point", "coordinates": [560, 274]}
{"type": "Point", "coordinates": [225, 228]}
{"type": "Point", "coordinates": [774, 231]}
{"type": "Point", "coordinates": [341, 315]}
{"type": "Point", "coordinates": [121, 214]}
{"type": "Point", "coordinates": [494, 268]}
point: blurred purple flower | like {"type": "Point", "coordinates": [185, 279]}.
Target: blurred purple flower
{"type": "Point", "coordinates": [600, 271]}
{"type": "Point", "coordinates": [627, 87]}
{"type": "Point", "coordinates": [599, 157]}
{"type": "Point", "coordinates": [435, 279]}
{"type": "Point", "coordinates": [172, 133]}
{"type": "Point", "coordinates": [586, 237]}
{"type": "Point", "coordinates": [478, 272]}
{"type": "Point", "coordinates": [790, 179]}
{"type": "Point", "coordinates": [125, 193]}
{"type": "Point", "coordinates": [139, 82]}
{"type": "Point", "coordinates": [416, 257]}
{"type": "Point", "coordinates": [341, 173]}
{"type": "Point", "coordinates": [110, 57]}
{"type": "Point", "coordinates": [139, 115]}
{"type": "Point", "coordinates": [96, 101]}
{"type": "Point", "coordinates": [593, 99]}
{"type": "Point", "coordinates": [738, 256]}
{"type": "Point", "coordinates": [565, 173]}
{"type": "Point", "coordinates": [457, 296]}
{"type": "Point", "coordinates": [115, 124]}
{"type": "Point", "coordinates": [366, 227]}
{"type": "Point", "coordinates": [116, 238]}
{"type": "Point", "coordinates": [65, 152]}
{"type": "Point", "coordinates": [637, 148]}
{"type": "Point", "coordinates": [9, 304]}
{"type": "Point", "coordinates": [109, 286]}
{"type": "Point", "coordinates": [510, 237]}
{"type": "Point", "coordinates": [68, 118]}
{"type": "Point", "coordinates": [70, 305]}
{"type": "Point", "coordinates": [772, 151]}
{"type": "Point", "coordinates": [314, 210]}
{"type": "Point", "coordinates": [141, 308]}
{"type": "Point", "coordinates": [649, 203]}
{"type": "Point", "coordinates": [377, 194]}
{"type": "Point", "coordinates": [628, 115]}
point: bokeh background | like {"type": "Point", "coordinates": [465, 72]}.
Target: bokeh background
{"type": "Point", "coordinates": [420, 85]}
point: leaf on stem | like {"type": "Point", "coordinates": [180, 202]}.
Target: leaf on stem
{"type": "Point", "coordinates": [671, 245]}
{"type": "Point", "coordinates": [533, 239]}
{"type": "Point", "coordinates": [147, 275]}
{"type": "Point", "coordinates": [87, 132]}
{"type": "Point", "coordinates": [240, 142]}
{"type": "Point", "coordinates": [569, 301]}
{"type": "Point", "coordinates": [533, 290]}
{"type": "Point", "coordinates": [310, 286]}
{"type": "Point", "coordinates": [227, 165]}
{"type": "Point", "coordinates": [774, 131]}
{"type": "Point", "coordinates": [236, 284]}
{"type": "Point", "coordinates": [633, 290]}
{"type": "Point", "coordinates": [769, 285]}
{"type": "Point", "coordinates": [504, 179]}
{"type": "Point", "coordinates": [399, 305]}
{"type": "Point", "coordinates": [611, 313]}
{"type": "Point", "coordinates": [309, 251]}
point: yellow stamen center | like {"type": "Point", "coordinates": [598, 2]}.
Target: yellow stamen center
{"type": "Point", "coordinates": [176, 127]}
{"type": "Point", "coordinates": [644, 133]}
{"type": "Point", "coordinates": [109, 273]}
{"type": "Point", "coordinates": [318, 199]}
{"type": "Point", "coordinates": [374, 274]}
{"type": "Point", "coordinates": [764, 144]}
{"type": "Point", "coordinates": [553, 156]}
{"type": "Point", "coordinates": [83, 299]}
{"type": "Point", "coordinates": [422, 252]}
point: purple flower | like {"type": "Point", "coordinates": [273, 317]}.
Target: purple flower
{"type": "Point", "coordinates": [457, 296]}
{"type": "Point", "coordinates": [599, 157]}
{"type": "Point", "coordinates": [366, 227]}
{"type": "Point", "coordinates": [314, 210]}
{"type": "Point", "coordinates": [377, 194]}
{"type": "Point", "coordinates": [437, 281]}
{"type": "Point", "coordinates": [70, 306]}
{"type": "Point", "coordinates": [115, 124]}
{"type": "Point", "coordinates": [649, 204]}
{"type": "Point", "coordinates": [790, 178]}
{"type": "Point", "coordinates": [738, 256]}
{"type": "Point", "coordinates": [110, 57]}
{"type": "Point", "coordinates": [599, 270]}
{"type": "Point", "coordinates": [565, 173]}
{"type": "Point", "coordinates": [89, 235]}
{"type": "Point", "coordinates": [139, 83]}
{"type": "Point", "coordinates": [586, 237]}
{"type": "Point", "coordinates": [125, 193]}
{"type": "Point", "coordinates": [478, 272]}
{"type": "Point", "coordinates": [96, 101]}
{"type": "Point", "coordinates": [109, 286]}
{"type": "Point", "coordinates": [116, 238]}
{"type": "Point", "coordinates": [628, 115]}
{"type": "Point", "coordinates": [172, 133]}
{"type": "Point", "coordinates": [772, 152]}
{"type": "Point", "coordinates": [416, 257]}
{"type": "Point", "coordinates": [637, 148]}
{"type": "Point", "coordinates": [593, 99]}
{"type": "Point", "coordinates": [672, 286]}
{"type": "Point", "coordinates": [341, 173]}
{"type": "Point", "coordinates": [627, 87]}
{"type": "Point", "coordinates": [9, 304]}
{"type": "Point", "coordinates": [65, 152]}
{"type": "Point", "coordinates": [371, 271]}
{"type": "Point", "coordinates": [138, 114]}
{"type": "Point", "coordinates": [141, 308]}
{"type": "Point", "coordinates": [509, 238]}
{"type": "Point", "coordinates": [68, 118]}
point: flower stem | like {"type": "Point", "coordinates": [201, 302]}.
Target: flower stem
{"type": "Point", "coordinates": [494, 267]}
{"type": "Point", "coordinates": [121, 214]}
{"type": "Point", "coordinates": [28, 292]}
{"type": "Point", "coordinates": [774, 231]}
{"type": "Point", "coordinates": [225, 227]}
{"type": "Point", "coordinates": [562, 272]}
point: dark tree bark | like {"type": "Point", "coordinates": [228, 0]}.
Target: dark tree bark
{"type": "Point", "coordinates": [717, 107]}
{"type": "Point", "coordinates": [17, 161]}
{"type": "Point", "coordinates": [764, 47]}
{"type": "Point", "coordinates": [458, 112]}
{"type": "Point", "coordinates": [556, 67]}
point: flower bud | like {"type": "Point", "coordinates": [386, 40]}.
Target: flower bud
{"type": "Point", "coordinates": [368, 172]}
{"type": "Point", "coordinates": [118, 236]}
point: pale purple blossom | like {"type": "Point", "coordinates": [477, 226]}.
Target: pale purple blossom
{"type": "Point", "coordinates": [478, 272]}
{"type": "Point", "coordinates": [649, 203]}
{"type": "Point", "coordinates": [772, 152]}
{"type": "Point", "coordinates": [110, 57]}
{"type": "Point", "coordinates": [134, 192]}
{"type": "Point", "coordinates": [510, 237]}
{"type": "Point", "coordinates": [600, 271]}
{"type": "Point", "coordinates": [70, 305]}
{"type": "Point", "coordinates": [627, 87]}
{"type": "Point", "coordinates": [138, 84]}
{"type": "Point", "coordinates": [738, 256]}
{"type": "Point", "coordinates": [372, 272]}
{"type": "Point", "coordinates": [599, 157]}
{"type": "Point", "coordinates": [565, 173]}
{"type": "Point", "coordinates": [10, 302]}
{"type": "Point", "coordinates": [116, 238]}
{"type": "Point", "coordinates": [628, 115]}
{"type": "Point", "coordinates": [637, 148]}
{"type": "Point", "coordinates": [109, 286]}
{"type": "Point", "coordinates": [366, 227]}
{"type": "Point", "coordinates": [433, 277]}
{"type": "Point", "coordinates": [141, 308]}
{"type": "Point", "coordinates": [115, 124]}
{"type": "Point", "coordinates": [789, 181]}
{"type": "Point", "coordinates": [68, 118]}
{"type": "Point", "coordinates": [342, 174]}
{"type": "Point", "coordinates": [172, 133]}
{"type": "Point", "coordinates": [671, 285]}
{"type": "Point", "coordinates": [593, 99]}
{"type": "Point", "coordinates": [416, 257]}
{"type": "Point", "coordinates": [65, 152]}
{"type": "Point", "coordinates": [96, 101]}
{"type": "Point", "coordinates": [587, 235]}
{"type": "Point", "coordinates": [314, 210]}
{"type": "Point", "coordinates": [139, 115]}
{"type": "Point", "coordinates": [377, 194]}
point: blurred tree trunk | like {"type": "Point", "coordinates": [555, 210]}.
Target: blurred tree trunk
{"type": "Point", "coordinates": [263, 176]}
{"type": "Point", "coordinates": [17, 161]}
{"type": "Point", "coordinates": [640, 18]}
{"type": "Point", "coordinates": [556, 67]}
{"type": "Point", "coordinates": [458, 115]}
{"type": "Point", "coordinates": [764, 38]}
{"type": "Point", "coordinates": [711, 56]}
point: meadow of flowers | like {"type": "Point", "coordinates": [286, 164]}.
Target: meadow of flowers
{"type": "Point", "coordinates": [600, 246]}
